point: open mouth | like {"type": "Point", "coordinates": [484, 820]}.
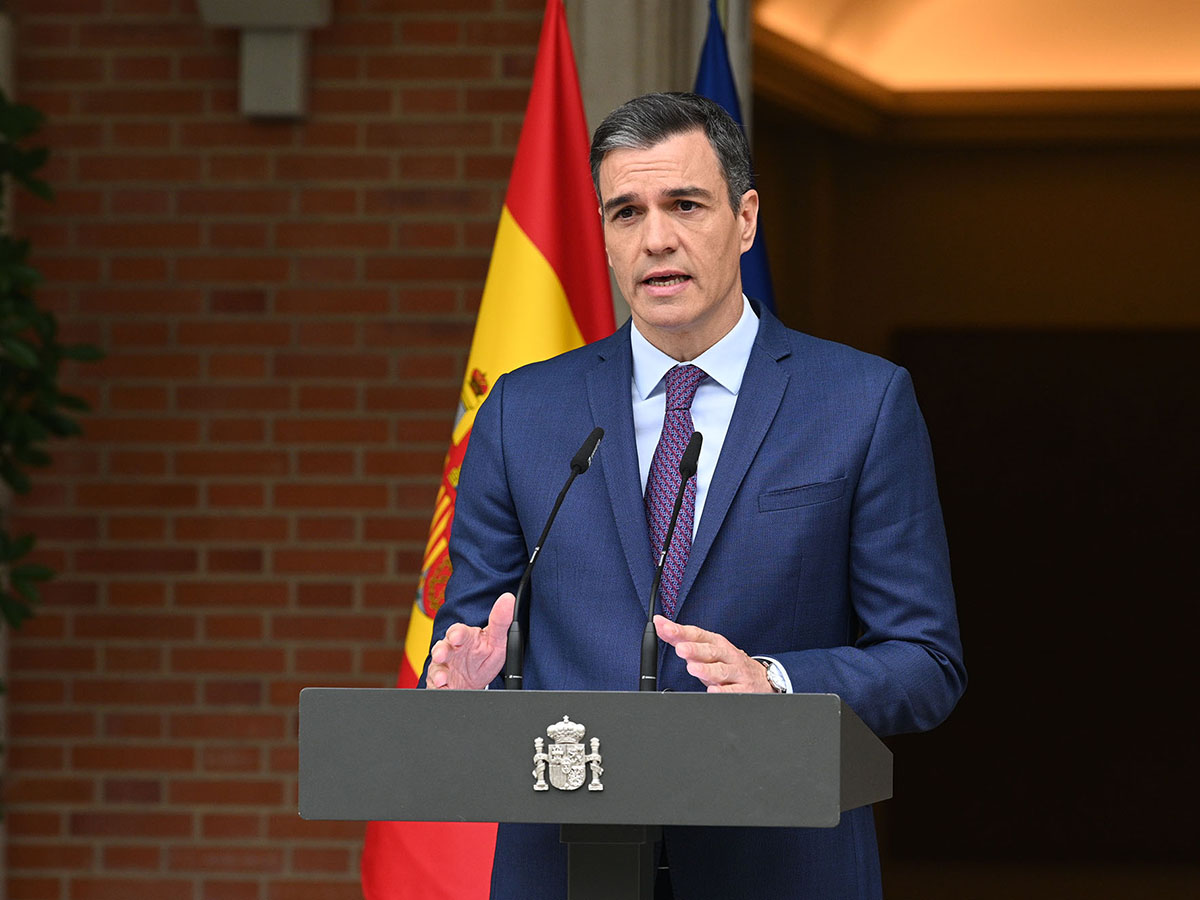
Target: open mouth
{"type": "Point", "coordinates": [666, 280]}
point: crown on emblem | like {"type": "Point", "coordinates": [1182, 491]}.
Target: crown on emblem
{"type": "Point", "coordinates": [566, 731]}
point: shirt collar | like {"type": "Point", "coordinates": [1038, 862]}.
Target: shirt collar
{"type": "Point", "coordinates": [724, 362]}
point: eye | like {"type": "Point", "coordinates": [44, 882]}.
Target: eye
{"type": "Point", "coordinates": [688, 205]}
{"type": "Point", "coordinates": [625, 212]}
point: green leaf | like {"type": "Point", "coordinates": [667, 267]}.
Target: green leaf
{"type": "Point", "coordinates": [28, 591]}
{"type": "Point", "coordinates": [31, 572]}
{"type": "Point", "coordinates": [20, 352]}
{"type": "Point", "coordinates": [20, 546]}
{"type": "Point", "coordinates": [14, 477]}
{"type": "Point", "coordinates": [82, 352]}
{"type": "Point", "coordinates": [14, 609]}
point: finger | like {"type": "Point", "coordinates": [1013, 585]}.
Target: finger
{"type": "Point", "coordinates": [459, 634]}
{"type": "Point", "coordinates": [501, 615]}
{"type": "Point", "coordinates": [672, 632]}
{"type": "Point", "coordinates": [704, 652]}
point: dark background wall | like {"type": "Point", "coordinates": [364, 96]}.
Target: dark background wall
{"type": "Point", "coordinates": [1045, 293]}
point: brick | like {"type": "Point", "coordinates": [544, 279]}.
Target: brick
{"type": "Point", "coordinates": [395, 528]}
{"type": "Point", "coordinates": [166, 495]}
{"type": "Point", "coordinates": [55, 657]}
{"type": "Point", "coordinates": [227, 202]}
{"type": "Point", "coordinates": [238, 237]}
{"type": "Point", "coordinates": [237, 430]}
{"type": "Point", "coordinates": [142, 463]}
{"type": "Point", "coordinates": [151, 365]}
{"type": "Point", "coordinates": [27, 857]}
{"type": "Point", "coordinates": [234, 560]}
{"type": "Point", "coordinates": [135, 269]}
{"type": "Point", "coordinates": [409, 134]}
{"type": "Point", "coordinates": [328, 334]}
{"type": "Point", "coordinates": [210, 660]}
{"type": "Point", "coordinates": [332, 431]}
{"type": "Point", "coordinates": [138, 399]}
{"type": "Point", "coordinates": [232, 859]}
{"type": "Point", "coordinates": [331, 496]}
{"type": "Point", "coordinates": [331, 365]}
{"type": "Point", "coordinates": [232, 268]}
{"type": "Point", "coordinates": [133, 692]}
{"type": "Point", "coordinates": [149, 235]}
{"type": "Point", "coordinates": [34, 758]}
{"type": "Point", "coordinates": [25, 790]}
{"type": "Point", "coordinates": [231, 398]}
{"type": "Point", "coordinates": [229, 529]}
{"type": "Point", "coordinates": [136, 594]}
{"type": "Point", "coordinates": [136, 528]}
{"type": "Point", "coordinates": [239, 167]}
{"type": "Point", "coordinates": [321, 236]}
{"type": "Point", "coordinates": [207, 68]}
{"type": "Point", "coordinates": [356, 101]}
{"type": "Point", "coordinates": [227, 725]}
{"type": "Point", "coordinates": [143, 68]}
{"type": "Point", "coordinates": [236, 693]}
{"type": "Point", "coordinates": [56, 724]}
{"type": "Point", "coordinates": [326, 529]}
{"type": "Point", "coordinates": [333, 860]}
{"type": "Point", "coordinates": [229, 496]}
{"type": "Point", "coordinates": [315, 561]}
{"type": "Point", "coordinates": [132, 790]}
{"type": "Point", "coordinates": [449, 268]}
{"type": "Point", "coordinates": [237, 365]}
{"type": "Point", "coordinates": [139, 167]}
{"type": "Point", "coordinates": [329, 202]}
{"type": "Point", "coordinates": [320, 167]}
{"type": "Point", "coordinates": [139, 659]}
{"type": "Point", "coordinates": [127, 757]}
{"type": "Point", "coordinates": [131, 858]}
{"type": "Point", "coordinates": [326, 463]}
{"type": "Point", "coordinates": [142, 135]}
{"type": "Point", "coordinates": [344, 301]}
{"type": "Point", "coordinates": [142, 431]}
{"type": "Point", "coordinates": [148, 35]}
{"type": "Point", "coordinates": [335, 595]}
{"type": "Point", "coordinates": [224, 826]}
{"type": "Point", "coordinates": [158, 102]}
{"type": "Point", "coordinates": [129, 725]}
{"type": "Point", "coordinates": [34, 888]}
{"type": "Point", "coordinates": [225, 793]}
{"type": "Point", "coordinates": [328, 397]}
{"type": "Point", "coordinates": [246, 133]}
{"type": "Point", "coordinates": [431, 66]}
{"type": "Point", "coordinates": [31, 691]}
{"type": "Point", "coordinates": [143, 560]}
{"type": "Point", "coordinates": [334, 270]}
{"type": "Point", "coordinates": [325, 628]}
{"type": "Point", "coordinates": [134, 626]}
{"type": "Point", "coordinates": [124, 888]}
{"type": "Point", "coordinates": [32, 824]}
{"type": "Point", "coordinates": [233, 593]}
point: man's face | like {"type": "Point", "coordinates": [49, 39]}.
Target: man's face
{"type": "Point", "coordinates": [673, 242]}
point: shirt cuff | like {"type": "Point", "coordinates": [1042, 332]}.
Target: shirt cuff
{"type": "Point", "coordinates": [783, 673]}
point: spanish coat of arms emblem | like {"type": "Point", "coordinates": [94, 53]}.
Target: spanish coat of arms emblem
{"type": "Point", "coordinates": [567, 758]}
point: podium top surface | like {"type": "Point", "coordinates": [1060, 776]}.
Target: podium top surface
{"type": "Point", "coordinates": [664, 758]}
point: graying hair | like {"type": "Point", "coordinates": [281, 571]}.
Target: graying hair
{"type": "Point", "coordinates": [652, 118]}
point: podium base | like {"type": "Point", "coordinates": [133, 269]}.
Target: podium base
{"type": "Point", "coordinates": [610, 862]}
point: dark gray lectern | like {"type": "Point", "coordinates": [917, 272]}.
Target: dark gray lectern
{"type": "Point", "coordinates": [641, 761]}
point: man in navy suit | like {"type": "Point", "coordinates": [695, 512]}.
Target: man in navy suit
{"type": "Point", "coordinates": [818, 558]}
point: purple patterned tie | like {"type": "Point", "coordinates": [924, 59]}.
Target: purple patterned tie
{"type": "Point", "coordinates": [663, 484]}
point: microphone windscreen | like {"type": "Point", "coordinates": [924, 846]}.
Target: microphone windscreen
{"type": "Point", "coordinates": [581, 460]}
{"type": "Point", "coordinates": [691, 456]}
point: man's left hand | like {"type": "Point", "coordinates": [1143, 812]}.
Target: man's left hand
{"type": "Point", "coordinates": [719, 665]}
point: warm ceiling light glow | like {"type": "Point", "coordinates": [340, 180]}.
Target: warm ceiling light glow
{"type": "Point", "coordinates": [999, 44]}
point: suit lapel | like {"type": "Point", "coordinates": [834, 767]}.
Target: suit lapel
{"type": "Point", "coordinates": [757, 404]}
{"type": "Point", "coordinates": [608, 387]}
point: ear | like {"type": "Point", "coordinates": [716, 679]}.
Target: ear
{"type": "Point", "coordinates": [748, 218]}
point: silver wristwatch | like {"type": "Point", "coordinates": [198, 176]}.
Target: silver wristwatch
{"type": "Point", "coordinates": [774, 676]}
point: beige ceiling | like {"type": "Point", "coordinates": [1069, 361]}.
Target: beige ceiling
{"type": "Point", "coordinates": [1005, 45]}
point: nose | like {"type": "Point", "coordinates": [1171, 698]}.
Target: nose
{"type": "Point", "coordinates": [659, 235]}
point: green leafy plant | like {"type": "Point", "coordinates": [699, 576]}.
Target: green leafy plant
{"type": "Point", "coordinates": [33, 408]}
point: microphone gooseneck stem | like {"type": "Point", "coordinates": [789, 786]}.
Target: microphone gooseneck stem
{"type": "Point", "coordinates": [514, 657]}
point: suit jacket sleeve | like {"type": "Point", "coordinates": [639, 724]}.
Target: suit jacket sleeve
{"type": "Point", "coordinates": [904, 672]}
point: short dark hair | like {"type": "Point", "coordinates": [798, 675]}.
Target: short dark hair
{"type": "Point", "coordinates": [652, 118]}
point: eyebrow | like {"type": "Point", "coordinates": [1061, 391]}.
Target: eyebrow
{"type": "Point", "coordinates": [674, 194]}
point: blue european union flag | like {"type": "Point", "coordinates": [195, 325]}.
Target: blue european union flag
{"type": "Point", "coordinates": [714, 80]}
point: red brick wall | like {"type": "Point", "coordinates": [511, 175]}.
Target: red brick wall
{"type": "Point", "coordinates": [286, 309]}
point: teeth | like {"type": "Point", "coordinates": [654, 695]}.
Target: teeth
{"type": "Point", "coordinates": [667, 280]}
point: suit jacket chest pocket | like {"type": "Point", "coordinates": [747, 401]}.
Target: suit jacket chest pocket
{"type": "Point", "coordinates": [803, 495]}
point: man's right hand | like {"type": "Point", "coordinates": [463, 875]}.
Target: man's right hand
{"type": "Point", "coordinates": [468, 658]}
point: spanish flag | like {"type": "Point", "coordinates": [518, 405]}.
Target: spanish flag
{"type": "Point", "coordinates": [547, 292]}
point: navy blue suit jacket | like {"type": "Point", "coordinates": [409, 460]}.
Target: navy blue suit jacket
{"type": "Point", "coordinates": [821, 544]}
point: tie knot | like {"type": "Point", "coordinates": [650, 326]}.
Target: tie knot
{"type": "Point", "coordinates": [682, 382]}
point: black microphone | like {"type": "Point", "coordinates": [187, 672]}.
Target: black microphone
{"type": "Point", "coordinates": [687, 468]}
{"type": "Point", "coordinates": [514, 658]}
